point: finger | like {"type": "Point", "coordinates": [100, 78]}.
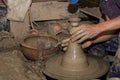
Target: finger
{"type": "Point", "coordinates": [77, 37]}
{"type": "Point", "coordinates": [65, 40]}
{"type": "Point", "coordinates": [65, 44]}
{"type": "Point", "coordinates": [75, 29]}
{"type": "Point", "coordinates": [65, 48]}
{"type": "Point", "coordinates": [81, 32]}
{"type": "Point", "coordinates": [86, 44]}
{"type": "Point", "coordinates": [78, 32]}
{"type": "Point", "coordinates": [83, 39]}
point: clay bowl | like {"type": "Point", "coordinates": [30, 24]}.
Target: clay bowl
{"type": "Point", "coordinates": [35, 46]}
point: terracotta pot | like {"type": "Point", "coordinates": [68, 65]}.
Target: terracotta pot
{"type": "Point", "coordinates": [49, 52]}
{"type": "Point", "coordinates": [35, 45]}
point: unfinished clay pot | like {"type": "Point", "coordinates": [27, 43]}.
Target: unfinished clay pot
{"type": "Point", "coordinates": [75, 65]}
{"type": "Point", "coordinates": [36, 46]}
{"type": "Point", "coordinates": [74, 21]}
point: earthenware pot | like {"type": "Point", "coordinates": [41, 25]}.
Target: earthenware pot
{"type": "Point", "coordinates": [36, 46]}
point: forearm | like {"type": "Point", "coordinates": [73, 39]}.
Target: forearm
{"type": "Point", "coordinates": [109, 25]}
{"type": "Point", "coordinates": [105, 36]}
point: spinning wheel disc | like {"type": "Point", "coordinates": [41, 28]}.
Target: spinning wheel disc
{"type": "Point", "coordinates": [96, 68]}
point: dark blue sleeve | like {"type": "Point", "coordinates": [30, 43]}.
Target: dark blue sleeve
{"type": "Point", "coordinates": [111, 8]}
{"type": "Point", "coordinates": [118, 3]}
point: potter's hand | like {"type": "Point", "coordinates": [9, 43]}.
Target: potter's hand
{"type": "Point", "coordinates": [65, 44]}
{"type": "Point", "coordinates": [84, 32]}
{"type": "Point", "coordinates": [86, 44]}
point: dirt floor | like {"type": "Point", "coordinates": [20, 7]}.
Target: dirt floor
{"type": "Point", "coordinates": [13, 65]}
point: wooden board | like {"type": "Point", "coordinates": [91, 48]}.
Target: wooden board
{"type": "Point", "coordinates": [49, 10]}
{"type": "Point", "coordinates": [20, 29]}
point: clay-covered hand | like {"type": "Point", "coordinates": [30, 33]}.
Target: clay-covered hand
{"type": "Point", "coordinates": [65, 44]}
{"type": "Point", "coordinates": [86, 44]}
{"type": "Point", "coordinates": [84, 32]}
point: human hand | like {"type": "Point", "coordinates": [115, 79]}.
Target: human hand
{"type": "Point", "coordinates": [65, 44]}
{"type": "Point", "coordinates": [87, 44]}
{"type": "Point", "coordinates": [84, 32]}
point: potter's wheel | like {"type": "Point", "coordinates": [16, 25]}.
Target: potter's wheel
{"type": "Point", "coordinates": [95, 69]}
{"type": "Point", "coordinates": [74, 64]}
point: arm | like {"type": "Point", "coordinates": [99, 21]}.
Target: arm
{"type": "Point", "coordinates": [105, 36]}
{"type": "Point", "coordinates": [90, 31]}
{"type": "Point", "coordinates": [110, 25]}
{"type": "Point", "coordinates": [101, 38]}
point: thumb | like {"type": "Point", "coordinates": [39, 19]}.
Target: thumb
{"type": "Point", "coordinates": [86, 44]}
